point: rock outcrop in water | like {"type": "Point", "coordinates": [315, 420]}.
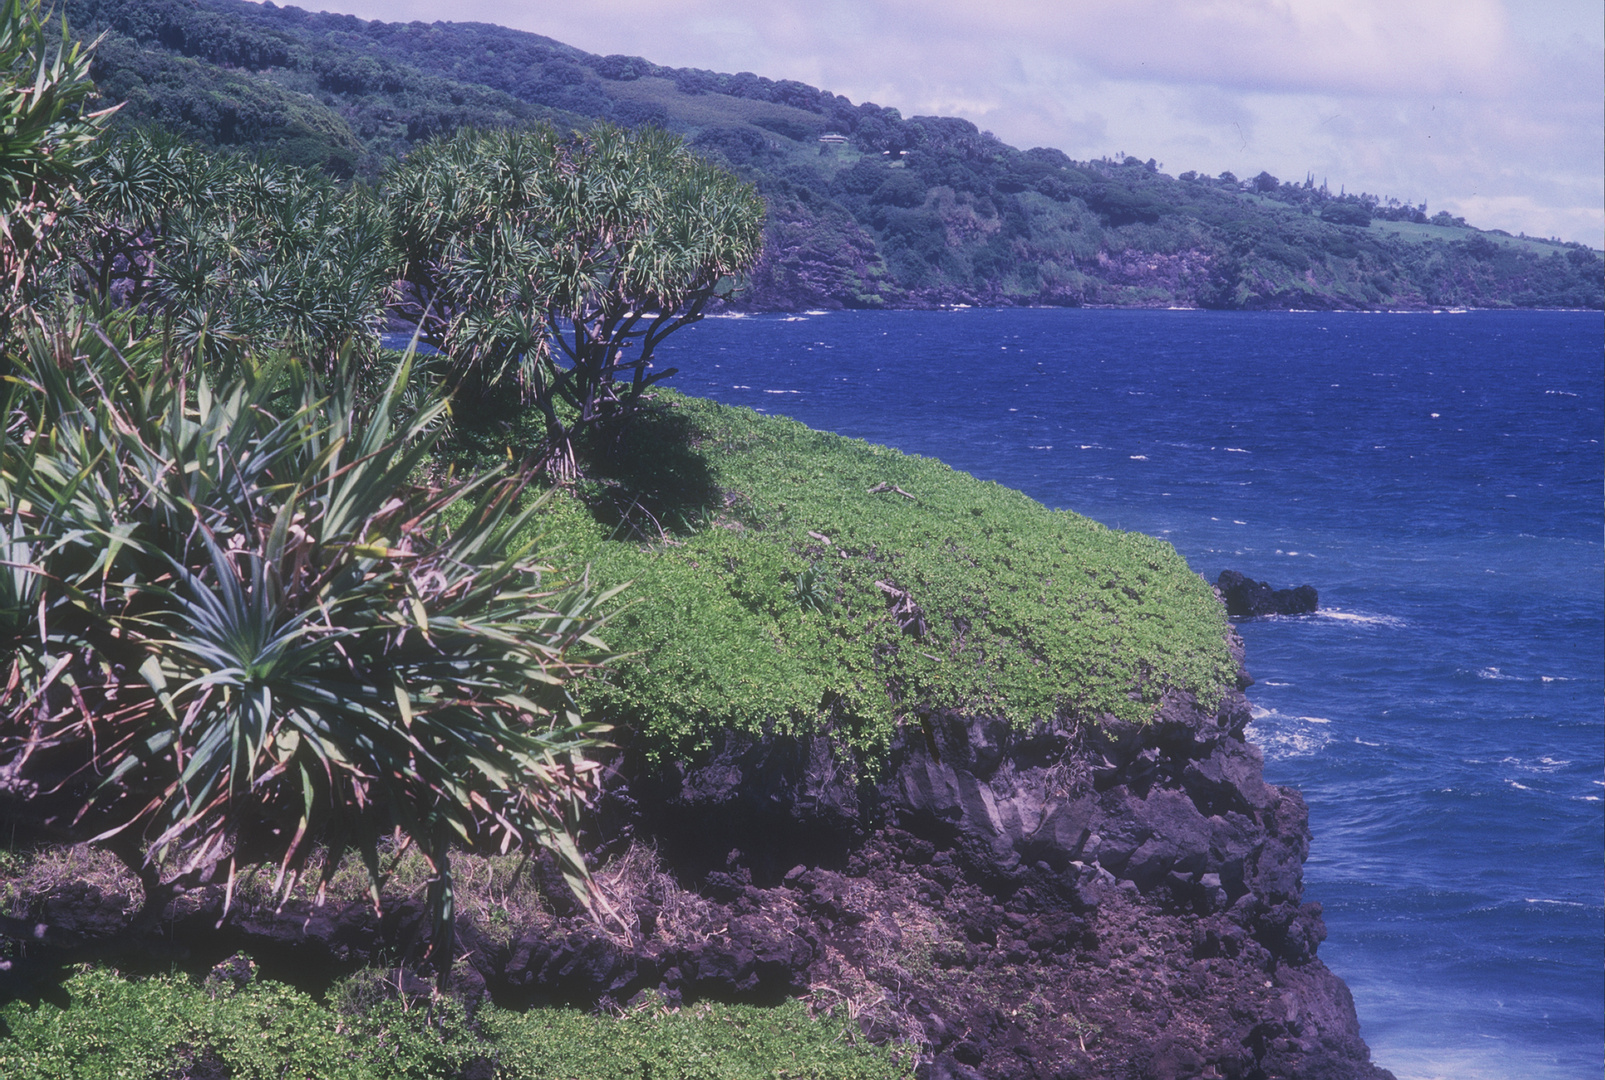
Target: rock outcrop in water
{"type": "Point", "coordinates": [1246, 598]}
{"type": "Point", "coordinates": [1118, 901]}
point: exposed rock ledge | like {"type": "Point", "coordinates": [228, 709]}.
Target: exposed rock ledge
{"type": "Point", "coordinates": [1121, 902]}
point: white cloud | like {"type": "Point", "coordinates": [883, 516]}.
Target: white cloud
{"type": "Point", "coordinates": [1493, 106]}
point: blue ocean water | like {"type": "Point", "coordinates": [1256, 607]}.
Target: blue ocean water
{"type": "Point", "coordinates": [1438, 478]}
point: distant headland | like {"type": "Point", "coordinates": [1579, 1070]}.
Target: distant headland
{"type": "Point", "coordinates": [867, 208]}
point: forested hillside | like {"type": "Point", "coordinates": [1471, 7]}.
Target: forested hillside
{"type": "Point", "coordinates": [866, 208]}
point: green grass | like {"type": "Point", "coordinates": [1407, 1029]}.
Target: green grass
{"type": "Point", "coordinates": [107, 1026]}
{"type": "Point", "coordinates": [732, 528]}
{"type": "Point", "coordinates": [1423, 233]}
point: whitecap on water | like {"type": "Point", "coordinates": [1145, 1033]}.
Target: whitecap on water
{"type": "Point", "coordinates": [1363, 620]}
{"type": "Point", "coordinates": [1281, 735]}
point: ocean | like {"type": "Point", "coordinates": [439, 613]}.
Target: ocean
{"type": "Point", "coordinates": [1438, 478]}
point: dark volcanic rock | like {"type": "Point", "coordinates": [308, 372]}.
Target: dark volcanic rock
{"type": "Point", "coordinates": [1080, 900]}
{"type": "Point", "coordinates": [1246, 598]}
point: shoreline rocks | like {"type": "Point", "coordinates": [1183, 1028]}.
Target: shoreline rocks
{"type": "Point", "coordinates": [1246, 598]}
{"type": "Point", "coordinates": [1077, 901]}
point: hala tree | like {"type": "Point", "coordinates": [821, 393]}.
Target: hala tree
{"type": "Point", "coordinates": [234, 626]}
{"type": "Point", "coordinates": [556, 266]}
{"type": "Point", "coordinates": [215, 250]}
{"type": "Point", "coordinates": [44, 133]}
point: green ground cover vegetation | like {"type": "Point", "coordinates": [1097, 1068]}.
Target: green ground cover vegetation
{"type": "Point", "coordinates": [113, 1026]}
{"type": "Point", "coordinates": [771, 568]}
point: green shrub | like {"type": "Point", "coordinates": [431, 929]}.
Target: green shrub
{"type": "Point", "coordinates": [114, 1027]}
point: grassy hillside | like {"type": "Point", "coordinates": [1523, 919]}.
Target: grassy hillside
{"type": "Point", "coordinates": [900, 212]}
{"type": "Point", "coordinates": [790, 580]}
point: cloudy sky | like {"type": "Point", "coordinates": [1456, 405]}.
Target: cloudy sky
{"type": "Point", "coordinates": [1494, 109]}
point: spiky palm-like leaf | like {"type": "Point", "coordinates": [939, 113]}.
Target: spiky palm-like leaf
{"type": "Point", "coordinates": [235, 626]}
{"type": "Point", "coordinates": [554, 267]}
{"type": "Point", "coordinates": [216, 249]}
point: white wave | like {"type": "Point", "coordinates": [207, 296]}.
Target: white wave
{"type": "Point", "coordinates": [1236, 522]}
{"type": "Point", "coordinates": [1518, 785]}
{"type": "Point", "coordinates": [1280, 745]}
{"type": "Point", "coordinates": [1561, 393]}
{"type": "Point", "coordinates": [795, 318]}
{"type": "Point", "coordinates": [1268, 682]}
{"type": "Point", "coordinates": [1362, 620]}
{"type": "Point", "coordinates": [1139, 457]}
{"type": "Point", "coordinates": [1496, 674]}
{"type": "Point", "coordinates": [728, 315]}
{"type": "Point", "coordinates": [1237, 450]}
{"type": "Point", "coordinates": [1041, 448]}
{"type": "Point", "coordinates": [782, 391]}
{"type": "Point", "coordinates": [741, 387]}
{"type": "Point", "coordinates": [1557, 903]}
{"type": "Point", "coordinates": [1283, 736]}
{"type": "Point", "coordinates": [816, 313]}
{"type": "Point", "coordinates": [1585, 798]}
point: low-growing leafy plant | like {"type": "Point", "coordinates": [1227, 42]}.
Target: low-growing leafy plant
{"type": "Point", "coordinates": [815, 589]}
{"type": "Point", "coordinates": [171, 1026]}
{"type": "Point", "coordinates": [114, 1026]}
{"type": "Point", "coordinates": [934, 593]}
{"type": "Point", "coordinates": [234, 625]}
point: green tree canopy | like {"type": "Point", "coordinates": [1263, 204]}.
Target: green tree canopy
{"type": "Point", "coordinates": [216, 250]}
{"type": "Point", "coordinates": [557, 265]}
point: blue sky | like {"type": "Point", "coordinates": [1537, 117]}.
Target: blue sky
{"type": "Point", "coordinates": [1493, 109]}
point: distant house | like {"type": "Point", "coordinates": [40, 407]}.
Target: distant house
{"type": "Point", "coordinates": [832, 137]}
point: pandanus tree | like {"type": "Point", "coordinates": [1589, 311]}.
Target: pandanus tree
{"type": "Point", "coordinates": [216, 250]}
{"type": "Point", "coordinates": [236, 627]}
{"type": "Point", "coordinates": [554, 267]}
{"type": "Point", "coordinates": [45, 131]}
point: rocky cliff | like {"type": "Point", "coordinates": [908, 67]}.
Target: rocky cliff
{"type": "Point", "coordinates": [1085, 901]}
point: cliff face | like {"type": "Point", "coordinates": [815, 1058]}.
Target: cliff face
{"type": "Point", "coordinates": [1125, 901]}
{"type": "Point", "coordinates": [1120, 901]}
